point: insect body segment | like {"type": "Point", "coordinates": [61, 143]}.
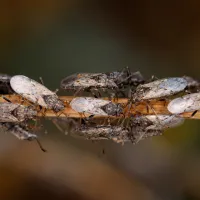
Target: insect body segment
{"type": "Point", "coordinates": [95, 106]}
{"type": "Point", "coordinates": [36, 92]}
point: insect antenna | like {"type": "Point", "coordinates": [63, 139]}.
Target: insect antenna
{"type": "Point", "coordinates": [40, 145]}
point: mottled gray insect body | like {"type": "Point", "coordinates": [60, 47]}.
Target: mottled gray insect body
{"type": "Point", "coordinates": [152, 125]}
{"type": "Point", "coordinates": [36, 92]}
{"type": "Point", "coordinates": [186, 103]}
{"type": "Point", "coordinates": [101, 132]}
{"type": "Point", "coordinates": [10, 112]}
{"type": "Point", "coordinates": [95, 106]}
{"type": "Point", "coordinates": [164, 121]}
{"type": "Point", "coordinates": [126, 77]}
{"type": "Point", "coordinates": [87, 81]}
{"type": "Point", "coordinates": [159, 88]}
{"type": "Point", "coordinates": [104, 81]}
{"type": "Point", "coordinates": [18, 131]}
{"type": "Point", "coordinates": [5, 87]}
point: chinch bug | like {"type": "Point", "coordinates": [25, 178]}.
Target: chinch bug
{"type": "Point", "coordinates": [159, 89]}
{"type": "Point", "coordinates": [36, 93]}
{"type": "Point", "coordinates": [95, 106]}
{"type": "Point", "coordinates": [152, 125]}
{"type": "Point", "coordinates": [103, 132]}
{"type": "Point", "coordinates": [94, 82]}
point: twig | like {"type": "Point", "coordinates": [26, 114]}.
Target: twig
{"type": "Point", "coordinates": [159, 107]}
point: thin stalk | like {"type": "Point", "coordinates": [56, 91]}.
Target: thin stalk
{"type": "Point", "coordinates": [158, 107]}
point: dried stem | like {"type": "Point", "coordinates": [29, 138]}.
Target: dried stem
{"type": "Point", "coordinates": [158, 107]}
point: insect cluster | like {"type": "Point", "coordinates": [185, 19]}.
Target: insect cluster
{"type": "Point", "coordinates": [100, 118]}
{"type": "Point", "coordinates": [182, 92]}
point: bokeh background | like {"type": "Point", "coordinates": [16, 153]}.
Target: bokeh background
{"type": "Point", "coordinates": [55, 38]}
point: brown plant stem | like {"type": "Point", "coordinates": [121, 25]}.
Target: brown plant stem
{"type": "Point", "coordinates": [142, 108]}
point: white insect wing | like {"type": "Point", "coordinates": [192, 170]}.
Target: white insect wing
{"type": "Point", "coordinates": [30, 89]}
{"type": "Point", "coordinates": [186, 103]}
{"type": "Point", "coordinates": [164, 87]}
{"type": "Point", "coordinates": [89, 105]}
{"type": "Point", "coordinates": [164, 121]}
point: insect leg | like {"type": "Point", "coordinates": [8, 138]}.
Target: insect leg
{"type": "Point", "coordinates": [77, 92]}
{"type": "Point", "coordinates": [57, 126]}
{"type": "Point", "coordinates": [194, 113]}
{"type": "Point", "coordinates": [159, 121]}
{"type": "Point", "coordinates": [40, 145]}
{"type": "Point", "coordinates": [8, 100]}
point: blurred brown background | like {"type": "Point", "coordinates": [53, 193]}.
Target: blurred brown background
{"type": "Point", "coordinates": [55, 38]}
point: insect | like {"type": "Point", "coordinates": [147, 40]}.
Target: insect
{"type": "Point", "coordinates": [186, 103]}
{"type": "Point", "coordinates": [152, 125]}
{"type": "Point", "coordinates": [36, 93]}
{"type": "Point", "coordinates": [20, 132]}
{"type": "Point", "coordinates": [159, 89]}
{"type": "Point", "coordinates": [101, 132]}
{"type": "Point", "coordinates": [95, 106]}
{"type": "Point", "coordinates": [10, 112]}
{"type": "Point", "coordinates": [94, 81]}
{"type": "Point", "coordinates": [5, 87]}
